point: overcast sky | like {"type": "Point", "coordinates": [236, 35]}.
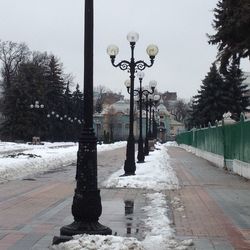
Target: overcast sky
{"type": "Point", "coordinates": [178, 27]}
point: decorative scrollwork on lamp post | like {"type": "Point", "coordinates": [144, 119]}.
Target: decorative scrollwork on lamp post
{"type": "Point", "coordinates": [132, 67]}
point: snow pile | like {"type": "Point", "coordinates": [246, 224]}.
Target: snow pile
{"type": "Point", "coordinates": [48, 156]}
{"type": "Point", "coordinates": [157, 222]}
{"type": "Point", "coordinates": [156, 173]}
{"type": "Point", "coordinates": [94, 242]}
{"type": "Point", "coordinates": [172, 143]}
{"type": "Point", "coordinates": [6, 147]}
{"type": "Point", "coordinates": [160, 235]}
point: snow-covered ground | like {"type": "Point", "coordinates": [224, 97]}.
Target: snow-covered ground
{"type": "Point", "coordinates": [18, 160]}
{"type": "Point", "coordinates": [155, 174]}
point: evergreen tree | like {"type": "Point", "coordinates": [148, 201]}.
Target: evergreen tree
{"type": "Point", "coordinates": [55, 84]}
{"type": "Point", "coordinates": [67, 113]}
{"type": "Point", "coordinates": [77, 99]}
{"type": "Point", "coordinates": [77, 104]}
{"type": "Point", "coordinates": [211, 102]}
{"type": "Point", "coordinates": [232, 26]}
{"type": "Point", "coordinates": [55, 94]}
{"type": "Point", "coordinates": [237, 101]}
{"type": "Point", "coordinates": [20, 121]}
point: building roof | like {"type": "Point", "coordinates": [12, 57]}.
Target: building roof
{"type": "Point", "coordinates": [121, 106]}
{"type": "Point", "coordinates": [162, 109]}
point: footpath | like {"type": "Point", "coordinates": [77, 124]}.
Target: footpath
{"type": "Point", "coordinates": [211, 207]}
{"type": "Point", "coordinates": [215, 210]}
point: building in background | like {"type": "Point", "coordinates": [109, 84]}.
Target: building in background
{"type": "Point", "coordinates": [113, 122]}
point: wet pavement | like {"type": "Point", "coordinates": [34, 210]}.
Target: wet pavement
{"type": "Point", "coordinates": [216, 212]}
{"type": "Point", "coordinates": [34, 209]}
{"type": "Point", "coordinates": [211, 207]}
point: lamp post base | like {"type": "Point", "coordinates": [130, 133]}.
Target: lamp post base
{"type": "Point", "coordinates": [146, 150]}
{"type": "Point", "coordinates": [85, 227]}
{"type": "Point", "coordinates": [80, 227]}
{"type": "Point", "coordinates": [129, 164]}
{"type": "Point", "coordinates": [140, 155]}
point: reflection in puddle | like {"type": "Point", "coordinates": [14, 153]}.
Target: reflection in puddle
{"type": "Point", "coordinates": [129, 207]}
{"type": "Point", "coordinates": [129, 215]}
{"type": "Point", "coordinates": [129, 210]}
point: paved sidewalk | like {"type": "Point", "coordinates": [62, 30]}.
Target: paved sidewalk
{"type": "Point", "coordinates": [34, 209]}
{"type": "Point", "coordinates": [211, 207]}
{"type": "Point", "coordinates": [216, 212]}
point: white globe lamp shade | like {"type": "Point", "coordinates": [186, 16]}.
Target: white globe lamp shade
{"type": "Point", "coordinates": [136, 98]}
{"type": "Point", "coordinates": [152, 84]}
{"type": "Point", "coordinates": [112, 50]}
{"type": "Point", "coordinates": [151, 97]}
{"type": "Point", "coordinates": [133, 37]}
{"type": "Point", "coordinates": [157, 98]}
{"type": "Point", "coordinates": [152, 50]}
{"type": "Point", "coordinates": [140, 74]}
{"type": "Point", "coordinates": [127, 83]}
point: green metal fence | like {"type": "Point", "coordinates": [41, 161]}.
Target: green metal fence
{"type": "Point", "coordinates": [231, 141]}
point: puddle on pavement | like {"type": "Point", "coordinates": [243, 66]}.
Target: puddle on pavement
{"type": "Point", "coordinates": [124, 217]}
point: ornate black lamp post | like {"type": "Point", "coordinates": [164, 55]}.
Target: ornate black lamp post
{"type": "Point", "coordinates": [145, 99]}
{"type": "Point", "coordinates": [131, 66]}
{"type": "Point", "coordinates": [154, 125]}
{"type": "Point", "coordinates": [86, 207]}
{"type": "Point", "coordinates": [152, 101]}
{"type": "Point", "coordinates": [140, 92]}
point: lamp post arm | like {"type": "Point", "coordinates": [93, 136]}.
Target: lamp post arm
{"type": "Point", "coordinates": [141, 65]}
{"type": "Point", "coordinates": [123, 65]}
{"type": "Point", "coordinates": [147, 92]}
{"type": "Point", "coordinates": [136, 92]}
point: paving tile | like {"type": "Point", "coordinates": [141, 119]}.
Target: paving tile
{"type": "Point", "coordinates": [27, 242]}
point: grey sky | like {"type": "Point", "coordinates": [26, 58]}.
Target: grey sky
{"type": "Point", "coordinates": [178, 27]}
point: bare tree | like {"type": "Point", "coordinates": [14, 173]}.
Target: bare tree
{"type": "Point", "coordinates": [180, 110]}
{"type": "Point", "coordinates": [98, 104]}
{"type": "Point", "coordinates": [12, 55]}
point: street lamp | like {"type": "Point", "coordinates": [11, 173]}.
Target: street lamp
{"type": "Point", "coordinates": [140, 92]}
{"type": "Point", "coordinates": [154, 123]}
{"type": "Point", "coordinates": [152, 101]}
{"type": "Point", "coordinates": [86, 207]}
{"type": "Point", "coordinates": [38, 106]}
{"type": "Point", "coordinates": [131, 66]}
